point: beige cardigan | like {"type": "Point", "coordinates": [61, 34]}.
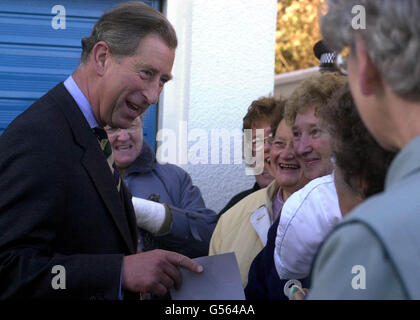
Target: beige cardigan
{"type": "Point", "coordinates": [243, 228]}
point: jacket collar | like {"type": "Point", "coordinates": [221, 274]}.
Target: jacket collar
{"type": "Point", "coordinates": [256, 187]}
{"type": "Point", "coordinates": [405, 163]}
{"type": "Point", "coordinates": [145, 162]}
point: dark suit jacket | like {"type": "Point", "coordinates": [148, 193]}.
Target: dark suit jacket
{"type": "Point", "coordinates": [59, 206]}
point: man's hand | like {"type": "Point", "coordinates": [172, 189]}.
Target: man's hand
{"type": "Point", "coordinates": [155, 271]}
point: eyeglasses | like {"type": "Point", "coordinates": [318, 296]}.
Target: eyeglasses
{"type": "Point", "coordinates": [115, 131]}
{"type": "Point", "coordinates": [277, 144]}
{"type": "Point", "coordinates": [259, 142]}
{"type": "Point", "coordinates": [341, 59]}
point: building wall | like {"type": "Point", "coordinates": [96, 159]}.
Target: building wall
{"type": "Point", "coordinates": [224, 61]}
{"type": "Point", "coordinates": [285, 83]}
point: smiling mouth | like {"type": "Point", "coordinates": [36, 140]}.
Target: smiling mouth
{"type": "Point", "coordinates": [288, 166]}
{"type": "Point", "coordinates": [310, 162]}
{"type": "Point", "coordinates": [119, 148]}
{"type": "Point", "coordinates": [133, 106]}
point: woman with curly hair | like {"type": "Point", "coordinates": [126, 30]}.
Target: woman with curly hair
{"type": "Point", "coordinates": [360, 162]}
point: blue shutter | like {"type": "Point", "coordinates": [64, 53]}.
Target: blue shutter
{"type": "Point", "coordinates": [34, 57]}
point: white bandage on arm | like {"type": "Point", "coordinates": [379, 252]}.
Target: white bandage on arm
{"type": "Point", "coordinates": [150, 215]}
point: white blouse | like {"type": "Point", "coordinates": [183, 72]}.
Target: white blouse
{"type": "Point", "coordinates": [307, 217]}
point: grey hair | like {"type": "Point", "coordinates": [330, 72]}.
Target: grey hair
{"type": "Point", "coordinates": [392, 38]}
{"type": "Point", "coordinates": [125, 26]}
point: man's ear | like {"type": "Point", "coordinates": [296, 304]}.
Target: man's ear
{"type": "Point", "coordinates": [100, 57]}
{"type": "Point", "coordinates": [369, 77]}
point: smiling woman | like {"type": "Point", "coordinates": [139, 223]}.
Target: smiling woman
{"type": "Point", "coordinates": [311, 140]}
{"type": "Point", "coordinates": [286, 169]}
{"type": "Point", "coordinates": [313, 210]}
{"type": "Point", "coordinates": [243, 228]}
{"type": "Point", "coordinates": [312, 144]}
{"type": "Point", "coordinates": [284, 165]}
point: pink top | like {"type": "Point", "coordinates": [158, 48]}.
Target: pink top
{"type": "Point", "coordinates": [277, 204]}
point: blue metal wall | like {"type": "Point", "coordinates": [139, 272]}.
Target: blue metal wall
{"type": "Point", "coordinates": [34, 57]}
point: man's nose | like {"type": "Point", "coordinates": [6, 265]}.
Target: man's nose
{"type": "Point", "coordinates": [152, 92]}
{"type": "Point", "coordinates": [123, 135]}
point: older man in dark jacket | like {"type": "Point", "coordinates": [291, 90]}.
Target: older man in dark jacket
{"type": "Point", "coordinates": [61, 204]}
{"type": "Point", "coordinates": [170, 210]}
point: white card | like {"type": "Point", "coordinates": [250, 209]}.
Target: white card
{"type": "Point", "coordinates": [220, 280]}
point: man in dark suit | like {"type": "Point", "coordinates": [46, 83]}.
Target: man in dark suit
{"type": "Point", "coordinates": [60, 204]}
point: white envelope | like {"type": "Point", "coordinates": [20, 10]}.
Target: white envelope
{"type": "Point", "coordinates": [220, 280]}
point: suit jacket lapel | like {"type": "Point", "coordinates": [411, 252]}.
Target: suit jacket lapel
{"type": "Point", "coordinates": [95, 163]}
{"type": "Point", "coordinates": [131, 217]}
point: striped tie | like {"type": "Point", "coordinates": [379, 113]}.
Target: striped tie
{"type": "Point", "coordinates": [107, 150]}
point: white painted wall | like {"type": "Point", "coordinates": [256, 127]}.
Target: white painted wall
{"type": "Point", "coordinates": [286, 83]}
{"type": "Point", "coordinates": [224, 61]}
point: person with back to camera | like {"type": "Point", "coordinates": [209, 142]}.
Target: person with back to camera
{"type": "Point", "coordinates": [380, 236]}
{"type": "Point", "coordinates": [170, 211]}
